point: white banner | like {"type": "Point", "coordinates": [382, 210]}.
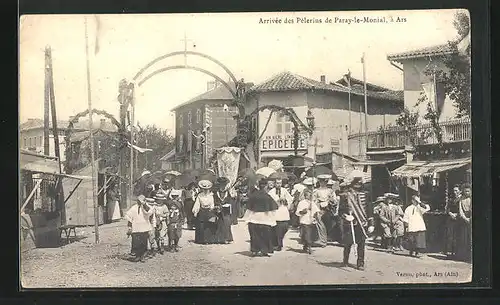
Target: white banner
{"type": "Point", "coordinates": [228, 161]}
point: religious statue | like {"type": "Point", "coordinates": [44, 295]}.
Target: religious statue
{"type": "Point", "coordinates": [125, 96]}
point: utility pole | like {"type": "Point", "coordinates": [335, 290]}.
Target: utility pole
{"type": "Point", "coordinates": [91, 138]}
{"type": "Point", "coordinates": [366, 100]}
{"type": "Point", "coordinates": [46, 106]}
{"type": "Point", "coordinates": [132, 104]}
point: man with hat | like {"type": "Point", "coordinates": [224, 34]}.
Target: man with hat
{"type": "Point", "coordinates": [377, 207]}
{"type": "Point", "coordinates": [385, 216]}
{"type": "Point", "coordinates": [354, 219]}
{"type": "Point", "coordinates": [397, 224]}
{"type": "Point", "coordinates": [139, 226]}
{"type": "Point", "coordinates": [161, 212]}
{"type": "Point", "coordinates": [175, 221]}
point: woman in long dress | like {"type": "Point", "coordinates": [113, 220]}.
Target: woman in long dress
{"type": "Point", "coordinates": [223, 206]}
{"type": "Point", "coordinates": [464, 245]}
{"type": "Point", "coordinates": [189, 198]}
{"type": "Point", "coordinates": [322, 197]}
{"type": "Point", "coordinates": [416, 228]}
{"type": "Point", "coordinates": [203, 210]}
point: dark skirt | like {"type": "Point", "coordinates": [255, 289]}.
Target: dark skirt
{"type": "Point", "coordinates": [241, 208]}
{"type": "Point", "coordinates": [307, 235]}
{"type": "Point", "coordinates": [234, 212]}
{"type": "Point", "coordinates": [416, 240]}
{"type": "Point", "coordinates": [223, 229]}
{"type": "Point", "coordinates": [464, 241]}
{"type": "Point", "coordinates": [205, 229]}
{"type": "Point", "coordinates": [188, 211]}
{"type": "Point", "coordinates": [139, 243]}
{"type": "Point", "coordinates": [260, 238]}
{"type": "Point", "coordinates": [174, 231]}
{"type": "Point", "coordinates": [279, 232]}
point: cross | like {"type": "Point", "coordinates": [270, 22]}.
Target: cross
{"type": "Point", "coordinates": [185, 47]}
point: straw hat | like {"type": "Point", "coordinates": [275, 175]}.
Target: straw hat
{"type": "Point", "coordinates": [309, 181]}
{"type": "Point", "coordinates": [324, 177]}
{"type": "Point", "coordinates": [380, 199]}
{"type": "Point", "coordinates": [141, 198]}
{"type": "Point", "coordinates": [205, 184]}
{"type": "Point", "coordinates": [160, 196]}
{"type": "Point", "coordinates": [150, 201]}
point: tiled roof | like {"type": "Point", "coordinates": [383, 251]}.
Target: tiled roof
{"type": "Point", "coordinates": [62, 125]}
{"type": "Point", "coordinates": [82, 135]}
{"type": "Point", "coordinates": [369, 86]}
{"type": "Point", "coordinates": [218, 93]}
{"type": "Point", "coordinates": [287, 81]}
{"type": "Point", "coordinates": [442, 49]}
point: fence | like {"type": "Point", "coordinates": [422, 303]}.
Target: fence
{"type": "Point", "coordinates": [452, 131]}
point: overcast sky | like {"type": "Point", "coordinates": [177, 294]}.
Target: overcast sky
{"type": "Point", "coordinates": [250, 50]}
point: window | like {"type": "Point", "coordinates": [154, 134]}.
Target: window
{"type": "Point", "coordinates": [31, 143]}
{"type": "Point", "coordinates": [198, 116]}
{"type": "Point", "coordinates": [40, 140]}
{"type": "Point", "coordinates": [198, 140]}
{"type": "Point", "coordinates": [25, 143]}
{"type": "Point", "coordinates": [181, 142]}
{"type": "Point", "coordinates": [189, 140]}
{"type": "Point", "coordinates": [189, 118]}
{"type": "Point", "coordinates": [283, 124]}
{"type": "Point", "coordinates": [181, 120]}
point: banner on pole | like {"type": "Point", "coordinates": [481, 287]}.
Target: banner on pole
{"type": "Point", "coordinates": [228, 160]}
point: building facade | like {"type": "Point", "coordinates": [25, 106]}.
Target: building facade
{"type": "Point", "coordinates": [202, 125]}
{"type": "Point", "coordinates": [31, 134]}
{"type": "Point", "coordinates": [328, 103]}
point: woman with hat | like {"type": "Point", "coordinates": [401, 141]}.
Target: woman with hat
{"type": "Point", "coordinates": [324, 198]}
{"type": "Point", "coordinates": [161, 212]}
{"type": "Point", "coordinates": [139, 226]}
{"type": "Point", "coordinates": [415, 224]}
{"type": "Point", "coordinates": [354, 220]}
{"type": "Point", "coordinates": [260, 216]}
{"type": "Point", "coordinates": [203, 210]}
{"type": "Point", "coordinates": [224, 203]}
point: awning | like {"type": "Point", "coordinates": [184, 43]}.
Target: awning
{"type": "Point", "coordinates": [418, 169]}
{"type": "Point", "coordinates": [37, 163]}
{"type": "Point", "coordinates": [378, 162]}
{"type": "Point", "coordinates": [168, 156]}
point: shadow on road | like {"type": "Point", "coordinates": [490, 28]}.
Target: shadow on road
{"type": "Point", "coordinates": [244, 253]}
{"type": "Point", "coordinates": [374, 244]}
{"type": "Point", "coordinates": [295, 250]}
{"type": "Point", "coordinates": [72, 239]}
{"type": "Point", "coordinates": [337, 265]}
{"type": "Point", "coordinates": [443, 257]}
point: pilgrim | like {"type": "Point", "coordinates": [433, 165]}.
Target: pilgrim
{"type": "Point", "coordinates": [223, 202]}
{"type": "Point", "coordinates": [260, 216]}
{"type": "Point", "coordinates": [203, 210]}
{"type": "Point", "coordinates": [414, 220]}
{"type": "Point", "coordinates": [307, 211]}
{"type": "Point", "coordinates": [284, 201]}
{"type": "Point", "coordinates": [139, 227]}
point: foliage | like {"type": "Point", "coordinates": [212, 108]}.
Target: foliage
{"type": "Point", "coordinates": [155, 138]}
{"type": "Point", "coordinates": [457, 79]}
{"type": "Point", "coordinates": [408, 121]}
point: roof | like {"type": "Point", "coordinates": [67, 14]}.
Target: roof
{"type": "Point", "coordinates": [369, 86]}
{"type": "Point", "coordinates": [218, 93]}
{"type": "Point", "coordinates": [38, 163]}
{"type": "Point", "coordinates": [442, 49]}
{"type": "Point", "coordinates": [418, 169]}
{"type": "Point", "coordinates": [83, 135]}
{"type": "Point", "coordinates": [287, 81]}
{"type": "Point", "coordinates": [63, 124]}
{"type": "Point", "coordinates": [169, 155]}
{"type": "Point", "coordinates": [378, 162]}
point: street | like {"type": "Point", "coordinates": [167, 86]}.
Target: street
{"type": "Point", "coordinates": [83, 264]}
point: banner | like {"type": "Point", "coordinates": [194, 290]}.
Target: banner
{"type": "Point", "coordinates": [228, 161]}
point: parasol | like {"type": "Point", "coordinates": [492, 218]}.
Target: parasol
{"type": "Point", "coordinates": [278, 175]}
{"type": "Point", "coordinates": [265, 171]}
{"type": "Point", "coordinates": [173, 173]}
{"type": "Point", "coordinates": [315, 171]}
{"type": "Point", "coordinates": [277, 165]}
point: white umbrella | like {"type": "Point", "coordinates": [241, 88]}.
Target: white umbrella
{"type": "Point", "coordinates": [173, 173]}
{"type": "Point", "coordinates": [265, 171]}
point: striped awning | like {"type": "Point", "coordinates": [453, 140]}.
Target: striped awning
{"type": "Point", "coordinates": [421, 169]}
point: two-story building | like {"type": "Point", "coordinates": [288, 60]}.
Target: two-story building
{"type": "Point", "coordinates": [31, 134]}
{"type": "Point", "coordinates": [328, 103]}
{"type": "Point", "coordinates": [212, 112]}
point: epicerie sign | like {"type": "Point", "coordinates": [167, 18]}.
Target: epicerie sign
{"type": "Point", "coordinates": [279, 142]}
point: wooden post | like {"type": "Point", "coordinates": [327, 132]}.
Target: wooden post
{"type": "Point", "coordinates": [46, 105]}
{"type": "Point", "coordinates": [366, 102]}
{"type": "Point", "coordinates": [131, 180]}
{"type": "Point", "coordinates": [91, 138]}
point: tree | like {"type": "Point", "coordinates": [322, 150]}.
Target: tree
{"type": "Point", "coordinates": [408, 122]}
{"type": "Point", "coordinates": [155, 138]}
{"type": "Point", "coordinates": [457, 80]}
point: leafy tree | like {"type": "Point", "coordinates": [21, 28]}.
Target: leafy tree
{"type": "Point", "coordinates": [457, 79]}
{"type": "Point", "coordinates": [408, 122]}
{"type": "Point", "coordinates": [155, 138]}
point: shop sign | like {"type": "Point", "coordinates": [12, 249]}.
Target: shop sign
{"type": "Point", "coordinates": [281, 142]}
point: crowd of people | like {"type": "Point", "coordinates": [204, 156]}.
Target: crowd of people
{"type": "Point", "coordinates": [322, 209]}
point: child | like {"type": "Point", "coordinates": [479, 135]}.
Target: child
{"type": "Point", "coordinates": [175, 222]}
{"type": "Point", "coordinates": [414, 220]}
{"type": "Point", "coordinates": [152, 219]}
{"type": "Point", "coordinates": [398, 228]}
{"type": "Point", "coordinates": [161, 212]}
{"type": "Point", "coordinates": [307, 210]}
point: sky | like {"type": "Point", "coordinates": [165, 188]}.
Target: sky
{"type": "Point", "coordinates": [252, 50]}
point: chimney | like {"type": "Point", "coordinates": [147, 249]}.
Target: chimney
{"type": "Point", "coordinates": [323, 79]}
{"type": "Point", "coordinates": [103, 122]}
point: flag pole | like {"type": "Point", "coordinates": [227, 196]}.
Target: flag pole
{"type": "Point", "coordinates": [366, 102]}
{"type": "Point", "coordinates": [132, 110]}
{"type": "Point", "coordinates": [91, 137]}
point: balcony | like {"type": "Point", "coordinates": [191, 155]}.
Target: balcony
{"type": "Point", "coordinates": [457, 130]}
